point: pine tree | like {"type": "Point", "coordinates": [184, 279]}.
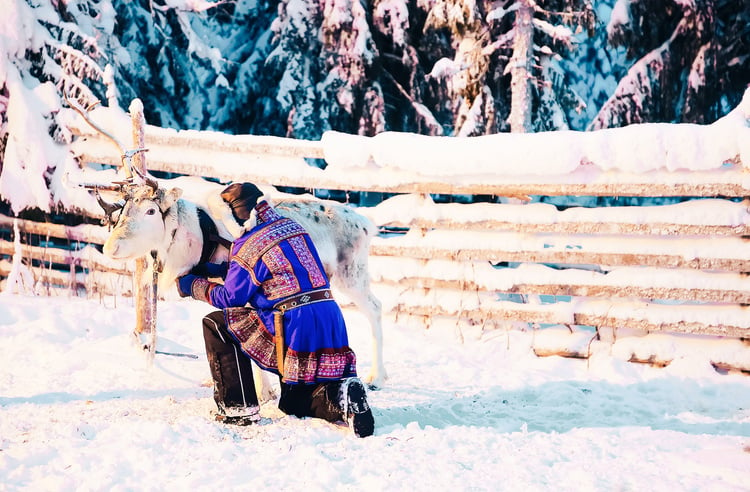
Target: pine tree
{"type": "Point", "coordinates": [166, 63]}
{"type": "Point", "coordinates": [411, 102]}
{"type": "Point", "coordinates": [516, 40]}
{"type": "Point", "coordinates": [46, 52]}
{"type": "Point", "coordinates": [246, 103]}
{"type": "Point", "coordinates": [691, 65]}
{"type": "Point", "coordinates": [348, 53]}
{"type": "Point", "coordinates": [584, 80]}
{"type": "Point", "coordinates": [294, 63]}
{"type": "Point", "coordinates": [323, 58]}
{"type": "Point", "coordinates": [467, 74]}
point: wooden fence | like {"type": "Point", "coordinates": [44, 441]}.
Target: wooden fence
{"type": "Point", "coordinates": [680, 267]}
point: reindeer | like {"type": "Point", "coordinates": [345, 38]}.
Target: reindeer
{"type": "Point", "coordinates": [150, 218]}
{"type": "Point", "coordinates": [158, 223]}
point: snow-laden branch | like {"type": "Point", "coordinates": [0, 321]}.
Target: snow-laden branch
{"type": "Point", "coordinates": [446, 67]}
{"type": "Point", "coordinates": [190, 5]}
{"type": "Point", "coordinates": [499, 13]}
{"type": "Point", "coordinates": [559, 33]}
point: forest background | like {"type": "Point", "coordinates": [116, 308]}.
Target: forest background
{"type": "Point", "coordinates": [298, 68]}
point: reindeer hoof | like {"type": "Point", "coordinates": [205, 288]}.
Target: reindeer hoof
{"type": "Point", "coordinates": [269, 395]}
{"type": "Point", "coordinates": [375, 381]}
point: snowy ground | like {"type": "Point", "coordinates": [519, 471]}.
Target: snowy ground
{"type": "Point", "coordinates": [81, 410]}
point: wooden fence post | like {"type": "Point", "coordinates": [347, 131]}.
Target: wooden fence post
{"type": "Point", "coordinates": [144, 287]}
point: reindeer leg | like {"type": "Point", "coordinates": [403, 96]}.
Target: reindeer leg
{"type": "Point", "coordinates": [377, 376]}
{"type": "Point", "coordinates": [264, 388]}
{"type": "Point", "coordinates": [357, 288]}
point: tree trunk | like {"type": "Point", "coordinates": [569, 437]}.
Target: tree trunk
{"type": "Point", "coordinates": [520, 69]}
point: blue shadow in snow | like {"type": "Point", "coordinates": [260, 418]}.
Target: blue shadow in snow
{"type": "Point", "coordinates": [56, 398]}
{"type": "Point", "coordinates": [664, 404]}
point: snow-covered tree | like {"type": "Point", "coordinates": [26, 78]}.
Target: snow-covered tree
{"type": "Point", "coordinates": [323, 56]}
{"type": "Point", "coordinates": [301, 67]}
{"type": "Point", "coordinates": [412, 104]}
{"type": "Point", "coordinates": [295, 63]}
{"type": "Point", "coordinates": [692, 61]}
{"type": "Point", "coordinates": [107, 51]}
{"type": "Point", "coordinates": [47, 50]}
{"type": "Point", "coordinates": [585, 79]}
{"type": "Point", "coordinates": [348, 54]}
{"type": "Point", "coordinates": [517, 40]}
{"type": "Point", "coordinates": [183, 58]}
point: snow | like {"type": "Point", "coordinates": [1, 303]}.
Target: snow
{"type": "Point", "coordinates": [559, 33]}
{"type": "Point", "coordinates": [81, 409]}
{"type": "Point", "coordinates": [498, 13]}
{"type": "Point", "coordinates": [687, 248]}
{"type": "Point", "coordinates": [620, 14]}
{"type": "Point", "coordinates": [446, 67]}
{"type": "Point", "coordinates": [27, 112]}
{"type": "Point", "coordinates": [192, 5]}
{"type": "Point", "coordinates": [637, 148]}
{"type": "Point", "coordinates": [407, 208]}
{"type": "Point", "coordinates": [397, 24]}
{"type": "Point", "coordinates": [466, 407]}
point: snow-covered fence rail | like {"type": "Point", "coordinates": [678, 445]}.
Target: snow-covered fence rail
{"type": "Point", "coordinates": [640, 160]}
{"type": "Point", "coordinates": [680, 267]}
{"type": "Point", "coordinates": [64, 257]}
{"type": "Point", "coordinates": [632, 279]}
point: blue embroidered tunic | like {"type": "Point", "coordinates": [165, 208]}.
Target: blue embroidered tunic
{"type": "Point", "coordinates": [272, 262]}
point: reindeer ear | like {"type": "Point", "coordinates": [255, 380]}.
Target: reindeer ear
{"type": "Point", "coordinates": [170, 197]}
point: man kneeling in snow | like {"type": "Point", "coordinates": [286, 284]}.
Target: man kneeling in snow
{"type": "Point", "coordinates": [277, 310]}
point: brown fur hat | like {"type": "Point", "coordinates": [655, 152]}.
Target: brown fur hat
{"type": "Point", "coordinates": [241, 198]}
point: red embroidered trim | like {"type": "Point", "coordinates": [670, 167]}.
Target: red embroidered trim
{"type": "Point", "coordinates": [309, 367]}
{"type": "Point", "coordinates": [300, 248]}
{"type": "Point", "coordinates": [283, 281]}
{"type": "Point", "coordinates": [299, 367]}
{"type": "Point", "coordinates": [264, 239]}
{"type": "Point", "coordinates": [201, 289]}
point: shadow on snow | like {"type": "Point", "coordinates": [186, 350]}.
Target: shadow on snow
{"type": "Point", "coordinates": [665, 404]}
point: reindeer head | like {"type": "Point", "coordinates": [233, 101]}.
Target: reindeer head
{"type": "Point", "coordinates": [141, 220]}
{"type": "Point", "coordinates": [145, 221]}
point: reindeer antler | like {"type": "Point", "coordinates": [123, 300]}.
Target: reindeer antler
{"type": "Point", "coordinates": [87, 118]}
{"type": "Point", "coordinates": [147, 178]}
{"type": "Point", "coordinates": [109, 208]}
{"type": "Point", "coordinates": [126, 156]}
